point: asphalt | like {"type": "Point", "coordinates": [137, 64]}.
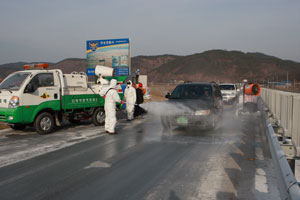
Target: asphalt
{"type": "Point", "coordinates": [141, 162]}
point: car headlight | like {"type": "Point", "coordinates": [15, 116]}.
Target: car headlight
{"type": "Point", "coordinates": [202, 112]}
{"type": "Point", "coordinates": [14, 102]}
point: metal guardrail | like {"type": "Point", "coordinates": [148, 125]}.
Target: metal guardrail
{"type": "Point", "coordinates": [288, 185]}
{"type": "Point", "coordinates": [285, 107]}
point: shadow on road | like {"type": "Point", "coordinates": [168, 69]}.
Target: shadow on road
{"type": "Point", "coordinates": [173, 196]}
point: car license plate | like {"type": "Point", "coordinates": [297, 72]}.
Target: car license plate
{"type": "Point", "coordinates": [182, 120]}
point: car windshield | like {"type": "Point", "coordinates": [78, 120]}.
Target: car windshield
{"type": "Point", "coordinates": [226, 87]}
{"type": "Point", "coordinates": [192, 92]}
{"type": "Point", "coordinates": [14, 81]}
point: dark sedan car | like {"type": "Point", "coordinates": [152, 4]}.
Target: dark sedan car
{"type": "Point", "coordinates": [195, 105]}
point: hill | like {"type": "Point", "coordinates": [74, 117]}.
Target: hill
{"type": "Point", "coordinates": [144, 63]}
{"type": "Point", "coordinates": [217, 65]}
{"type": "Point", "coordinates": [70, 65]}
{"type": "Point", "coordinates": [147, 64]}
{"type": "Point", "coordinates": [223, 65]}
{"type": "Point", "coordinates": [9, 68]}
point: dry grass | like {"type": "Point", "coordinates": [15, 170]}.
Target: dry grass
{"type": "Point", "coordinates": [284, 88]}
{"type": "Point", "coordinates": [159, 91]}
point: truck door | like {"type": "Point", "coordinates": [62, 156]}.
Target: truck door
{"type": "Point", "coordinates": [41, 92]}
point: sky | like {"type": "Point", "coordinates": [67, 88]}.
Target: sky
{"type": "Point", "coordinates": [52, 30]}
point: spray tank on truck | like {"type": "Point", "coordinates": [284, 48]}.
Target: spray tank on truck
{"type": "Point", "coordinates": [104, 75]}
{"type": "Point", "coordinates": [101, 72]}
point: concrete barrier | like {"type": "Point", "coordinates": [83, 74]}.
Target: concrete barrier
{"type": "Point", "coordinates": [285, 107]}
{"type": "Point", "coordinates": [288, 185]}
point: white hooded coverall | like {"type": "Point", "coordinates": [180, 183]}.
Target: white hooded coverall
{"type": "Point", "coordinates": [111, 98]}
{"type": "Point", "coordinates": [130, 96]}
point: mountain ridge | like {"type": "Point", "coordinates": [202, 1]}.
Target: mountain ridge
{"type": "Point", "coordinates": [217, 65]}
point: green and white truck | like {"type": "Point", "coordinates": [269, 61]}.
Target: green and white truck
{"type": "Point", "coordinates": [44, 98]}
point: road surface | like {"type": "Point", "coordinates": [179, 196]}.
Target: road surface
{"type": "Point", "coordinates": [82, 162]}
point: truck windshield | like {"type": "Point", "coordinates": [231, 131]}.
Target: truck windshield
{"type": "Point", "coordinates": [192, 92]}
{"type": "Point", "coordinates": [226, 87]}
{"type": "Point", "coordinates": [14, 81]}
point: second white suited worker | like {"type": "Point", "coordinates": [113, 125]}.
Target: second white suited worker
{"type": "Point", "coordinates": [130, 98]}
{"type": "Point", "coordinates": [111, 98]}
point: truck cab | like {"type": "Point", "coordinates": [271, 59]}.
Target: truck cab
{"type": "Point", "coordinates": [26, 93]}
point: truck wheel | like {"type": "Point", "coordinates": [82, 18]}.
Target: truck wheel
{"type": "Point", "coordinates": [98, 117]}
{"type": "Point", "coordinates": [17, 126]}
{"type": "Point", "coordinates": [44, 123]}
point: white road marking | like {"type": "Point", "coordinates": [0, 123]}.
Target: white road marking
{"type": "Point", "coordinates": [98, 164]}
{"type": "Point", "coordinates": [264, 185]}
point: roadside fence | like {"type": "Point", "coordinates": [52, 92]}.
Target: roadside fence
{"type": "Point", "coordinates": [285, 107]}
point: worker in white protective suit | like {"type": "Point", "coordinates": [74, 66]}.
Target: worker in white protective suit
{"type": "Point", "coordinates": [111, 98]}
{"type": "Point", "coordinates": [130, 98]}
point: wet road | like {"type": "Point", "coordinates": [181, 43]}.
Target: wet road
{"type": "Point", "coordinates": [140, 162]}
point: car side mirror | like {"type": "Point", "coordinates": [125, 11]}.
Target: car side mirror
{"type": "Point", "coordinates": [30, 88]}
{"type": "Point", "coordinates": [168, 95]}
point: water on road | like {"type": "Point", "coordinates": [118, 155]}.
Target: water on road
{"type": "Point", "coordinates": [141, 162]}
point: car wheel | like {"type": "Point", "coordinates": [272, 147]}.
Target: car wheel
{"type": "Point", "coordinates": [98, 117]}
{"type": "Point", "coordinates": [17, 126]}
{"type": "Point", "coordinates": [44, 123]}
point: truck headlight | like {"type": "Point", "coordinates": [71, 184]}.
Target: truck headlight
{"type": "Point", "coordinates": [14, 102]}
{"type": "Point", "coordinates": [202, 112]}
